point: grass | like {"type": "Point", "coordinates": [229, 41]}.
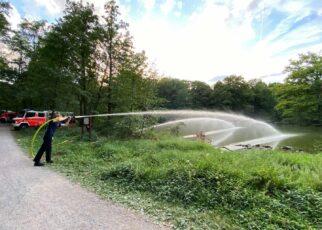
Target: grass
{"type": "Point", "coordinates": [192, 185]}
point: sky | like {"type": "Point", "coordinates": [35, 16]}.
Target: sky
{"type": "Point", "coordinates": [207, 40]}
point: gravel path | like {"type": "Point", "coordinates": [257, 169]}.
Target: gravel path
{"type": "Point", "coordinates": [38, 198]}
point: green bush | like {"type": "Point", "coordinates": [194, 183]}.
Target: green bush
{"type": "Point", "coordinates": [126, 127]}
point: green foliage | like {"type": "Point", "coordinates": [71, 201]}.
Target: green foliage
{"type": "Point", "coordinates": [200, 94]}
{"type": "Point", "coordinates": [175, 92]}
{"type": "Point", "coordinates": [24, 43]}
{"type": "Point", "coordinates": [194, 185]}
{"type": "Point", "coordinates": [234, 93]}
{"type": "Point", "coordinates": [300, 98]}
{"type": "Point", "coordinates": [5, 95]}
{"type": "Point", "coordinates": [50, 68]}
{"type": "Point", "coordinates": [4, 24]}
{"type": "Point", "coordinates": [131, 92]}
{"type": "Point", "coordinates": [126, 127]}
{"type": "Point", "coordinates": [263, 99]}
{"type": "Point", "coordinates": [81, 29]}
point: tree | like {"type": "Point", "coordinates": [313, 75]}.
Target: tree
{"type": "Point", "coordinates": [300, 97]}
{"type": "Point", "coordinates": [90, 61]}
{"type": "Point", "coordinates": [6, 87]}
{"type": "Point", "coordinates": [233, 93]}
{"type": "Point", "coordinates": [80, 29]}
{"type": "Point", "coordinates": [7, 75]}
{"type": "Point", "coordinates": [263, 99]}
{"type": "Point", "coordinates": [200, 94]}
{"type": "Point", "coordinates": [116, 50]}
{"type": "Point", "coordinates": [132, 92]}
{"type": "Point", "coordinates": [175, 92]}
{"type": "Point", "coordinates": [5, 72]}
{"type": "Point", "coordinates": [24, 43]}
{"type": "Point", "coordinates": [4, 24]}
{"type": "Point", "coordinates": [50, 81]}
{"type": "Point", "coordinates": [33, 32]}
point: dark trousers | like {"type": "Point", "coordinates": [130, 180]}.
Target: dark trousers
{"type": "Point", "coordinates": [45, 147]}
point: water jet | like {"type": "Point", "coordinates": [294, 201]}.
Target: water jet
{"type": "Point", "coordinates": [220, 128]}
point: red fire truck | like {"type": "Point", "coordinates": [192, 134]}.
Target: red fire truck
{"type": "Point", "coordinates": [7, 116]}
{"type": "Point", "coordinates": [29, 118]}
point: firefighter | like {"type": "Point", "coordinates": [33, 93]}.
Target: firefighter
{"type": "Point", "coordinates": [56, 121]}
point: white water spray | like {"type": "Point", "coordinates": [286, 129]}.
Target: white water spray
{"type": "Point", "coordinates": [221, 129]}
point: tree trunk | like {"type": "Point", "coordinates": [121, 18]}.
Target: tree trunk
{"type": "Point", "coordinates": [109, 89]}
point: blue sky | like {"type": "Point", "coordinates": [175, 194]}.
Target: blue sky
{"type": "Point", "coordinates": [209, 39]}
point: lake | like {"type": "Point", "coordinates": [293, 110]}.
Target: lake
{"type": "Point", "coordinates": [309, 138]}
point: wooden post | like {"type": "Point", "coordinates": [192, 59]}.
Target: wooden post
{"type": "Point", "coordinates": [81, 123]}
{"type": "Point", "coordinates": [90, 128]}
{"type": "Point", "coordinates": [87, 124]}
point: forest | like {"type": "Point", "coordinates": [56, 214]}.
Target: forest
{"type": "Point", "coordinates": [88, 64]}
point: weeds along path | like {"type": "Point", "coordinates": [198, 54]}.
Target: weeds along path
{"type": "Point", "coordinates": [38, 198]}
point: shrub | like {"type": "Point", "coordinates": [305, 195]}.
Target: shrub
{"type": "Point", "coordinates": [127, 127]}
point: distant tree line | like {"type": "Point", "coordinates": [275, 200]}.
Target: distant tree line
{"type": "Point", "coordinates": [298, 100]}
{"type": "Point", "coordinates": [233, 93]}
{"type": "Point", "coordinates": [87, 64]}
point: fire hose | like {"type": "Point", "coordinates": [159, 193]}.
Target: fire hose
{"type": "Point", "coordinates": [31, 149]}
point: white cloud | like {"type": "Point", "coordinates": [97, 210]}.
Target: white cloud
{"type": "Point", "coordinates": [53, 7]}
{"type": "Point", "coordinates": [99, 8]}
{"type": "Point", "coordinates": [219, 39]}
{"type": "Point", "coordinates": [179, 5]}
{"type": "Point", "coordinates": [14, 17]}
{"type": "Point", "coordinates": [204, 47]}
{"type": "Point", "coordinates": [148, 4]}
{"type": "Point", "coordinates": [294, 6]}
{"type": "Point", "coordinates": [168, 6]}
{"type": "Point", "coordinates": [177, 14]}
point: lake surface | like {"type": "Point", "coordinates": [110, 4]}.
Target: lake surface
{"type": "Point", "coordinates": [309, 139]}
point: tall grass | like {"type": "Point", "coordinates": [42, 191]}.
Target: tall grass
{"type": "Point", "coordinates": [195, 185]}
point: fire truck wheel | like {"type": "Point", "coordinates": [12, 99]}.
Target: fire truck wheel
{"type": "Point", "coordinates": [23, 126]}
